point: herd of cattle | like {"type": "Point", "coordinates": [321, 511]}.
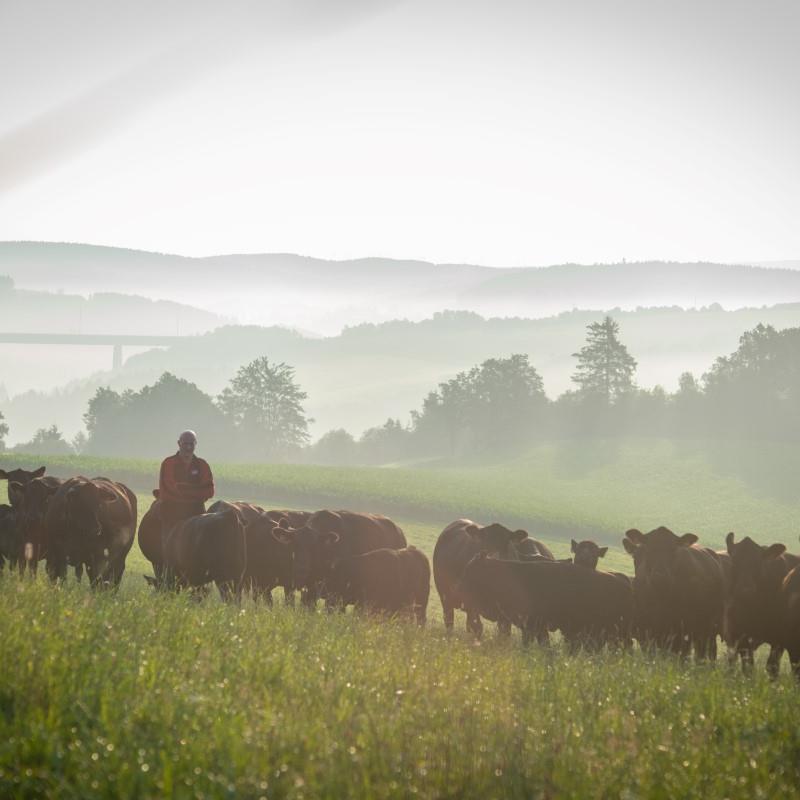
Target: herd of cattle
{"type": "Point", "coordinates": [681, 598]}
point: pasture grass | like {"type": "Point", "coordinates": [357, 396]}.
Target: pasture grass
{"type": "Point", "coordinates": [141, 695]}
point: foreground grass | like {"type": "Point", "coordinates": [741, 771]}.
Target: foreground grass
{"type": "Point", "coordinates": [132, 694]}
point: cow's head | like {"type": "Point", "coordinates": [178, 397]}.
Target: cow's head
{"type": "Point", "coordinates": [587, 553]}
{"type": "Point", "coordinates": [496, 539]}
{"type": "Point", "coordinates": [33, 498]}
{"type": "Point", "coordinates": [654, 555]}
{"type": "Point", "coordinates": [83, 505]}
{"type": "Point", "coordinates": [17, 477]}
{"type": "Point", "coordinates": [267, 530]}
{"type": "Point", "coordinates": [749, 564]}
{"type": "Point", "coordinates": [313, 547]}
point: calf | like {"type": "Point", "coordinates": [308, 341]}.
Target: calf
{"type": "Point", "coordinates": [328, 535]}
{"type": "Point", "coordinates": [586, 553]}
{"type": "Point", "coordinates": [457, 544]}
{"type": "Point", "coordinates": [91, 523]}
{"type": "Point", "coordinates": [756, 607]}
{"type": "Point", "coordinates": [205, 548]}
{"type": "Point", "coordinates": [384, 580]}
{"type": "Point", "coordinates": [587, 606]}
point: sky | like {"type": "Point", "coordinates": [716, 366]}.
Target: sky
{"type": "Point", "coordinates": [502, 133]}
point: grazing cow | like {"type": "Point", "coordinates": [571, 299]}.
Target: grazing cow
{"type": "Point", "coordinates": [269, 561]}
{"type": "Point", "coordinates": [90, 523]}
{"type": "Point", "coordinates": [9, 544]}
{"type": "Point", "coordinates": [588, 607]}
{"type": "Point", "coordinates": [755, 609]}
{"type": "Point", "coordinates": [32, 500]}
{"type": "Point", "coordinates": [456, 545]}
{"type": "Point", "coordinates": [586, 553]}
{"type": "Point", "coordinates": [384, 580]}
{"type": "Point", "coordinates": [327, 535]}
{"type": "Point", "coordinates": [790, 592]}
{"type": "Point", "coordinates": [19, 476]}
{"type": "Point", "coordinates": [679, 590]}
{"type": "Point", "coordinates": [205, 548]}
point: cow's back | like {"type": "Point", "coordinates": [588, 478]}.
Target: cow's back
{"type": "Point", "coordinates": [361, 533]}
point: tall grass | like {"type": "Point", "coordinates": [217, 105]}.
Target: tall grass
{"type": "Point", "coordinates": [138, 695]}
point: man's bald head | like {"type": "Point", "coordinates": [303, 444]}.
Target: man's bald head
{"type": "Point", "coordinates": [187, 436]}
{"type": "Point", "coordinates": [187, 441]}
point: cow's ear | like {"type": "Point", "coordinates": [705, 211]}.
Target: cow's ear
{"type": "Point", "coordinates": [688, 539]}
{"type": "Point", "coordinates": [329, 538]}
{"type": "Point", "coordinates": [3, 475]}
{"type": "Point", "coordinates": [283, 523]}
{"type": "Point", "coordinates": [775, 550]}
{"type": "Point", "coordinates": [634, 535]}
{"type": "Point", "coordinates": [573, 546]}
{"type": "Point", "coordinates": [16, 491]}
{"type": "Point", "coordinates": [156, 493]}
{"type": "Point", "coordinates": [37, 473]}
{"type": "Point", "coordinates": [601, 551]}
{"type": "Point", "coordinates": [519, 536]}
{"type": "Point", "coordinates": [629, 546]}
{"type": "Point", "coordinates": [472, 529]}
{"type": "Point", "coordinates": [106, 495]}
{"type": "Point", "coordinates": [327, 521]}
{"type": "Point", "coordinates": [729, 542]}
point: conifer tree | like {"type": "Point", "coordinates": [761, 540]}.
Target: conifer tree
{"type": "Point", "coordinates": [605, 367]}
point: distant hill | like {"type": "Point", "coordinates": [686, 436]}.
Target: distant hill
{"type": "Point", "coordinates": [372, 371]}
{"type": "Point", "coordinates": [324, 296]}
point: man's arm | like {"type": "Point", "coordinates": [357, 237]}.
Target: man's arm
{"type": "Point", "coordinates": [167, 487]}
{"type": "Point", "coordinates": [202, 490]}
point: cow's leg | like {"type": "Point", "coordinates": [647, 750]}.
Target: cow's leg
{"type": "Point", "coordinates": [794, 659]}
{"type": "Point", "coordinates": [504, 628]}
{"type": "Point", "coordinates": [288, 597]}
{"type": "Point", "coordinates": [309, 599]}
{"type": "Point", "coordinates": [421, 613]}
{"type": "Point", "coordinates": [746, 654]}
{"type": "Point", "coordinates": [448, 613]}
{"type": "Point", "coordinates": [474, 624]}
{"type": "Point", "coordinates": [774, 661]}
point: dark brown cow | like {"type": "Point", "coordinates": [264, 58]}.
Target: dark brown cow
{"type": "Point", "coordinates": [586, 553]}
{"type": "Point", "coordinates": [328, 535]}
{"type": "Point", "coordinates": [20, 476]}
{"type": "Point", "coordinates": [456, 545]}
{"type": "Point", "coordinates": [679, 590]}
{"type": "Point", "coordinates": [589, 607]}
{"type": "Point", "coordinates": [9, 543]}
{"type": "Point", "coordinates": [32, 500]}
{"type": "Point", "coordinates": [90, 522]}
{"type": "Point", "coordinates": [388, 581]}
{"type": "Point", "coordinates": [755, 609]}
{"type": "Point", "coordinates": [790, 592]}
{"type": "Point", "coordinates": [205, 548]}
{"type": "Point", "coordinates": [150, 538]}
{"type": "Point", "coordinates": [269, 561]}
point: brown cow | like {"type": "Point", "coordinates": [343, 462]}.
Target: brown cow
{"type": "Point", "coordinates": [269, 561]}
{"type": "Point", "coordinates": [150, 539]}
{"type": "Point", "coordinates": [586, 553]}
{"type": "Point", "coordinates": [20, 476]}
{"type": "Point", "coordinates": [679, 590]}
{"type": "Point", "coordinates": [456, 545]}
{"type": "Point", "coordinates": [755, 609]}
{"type": "Point", "coordinates": [328, 535]}
{"type": "Point", "coordinates": [384, 580]}
{"type": "Point", "coordinates": [32, 499]}
{"type": "Point", "coordinates": [90, 522]}
{"type": "Point", "coordinates": [589, 607]}
{"type": "Point", "coordinates": [205, 548]}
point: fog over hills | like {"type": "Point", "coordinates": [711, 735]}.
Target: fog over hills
{"type": "Point", "coordinates": [372, 371]}
{"type": "Point", "coordinates": [325, 296]}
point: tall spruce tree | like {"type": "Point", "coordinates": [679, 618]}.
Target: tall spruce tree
{"type": "Point", "coordinates": [605, 367]}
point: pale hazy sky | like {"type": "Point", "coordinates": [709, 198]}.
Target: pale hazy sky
{"type": "Point", "coordinates": [503, 132]}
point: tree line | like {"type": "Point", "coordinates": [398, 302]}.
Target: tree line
{"type": "Point", "coordinates": [496, 406]}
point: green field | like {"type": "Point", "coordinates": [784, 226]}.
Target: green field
{"type": "Point", "coordinates": [138, 695]}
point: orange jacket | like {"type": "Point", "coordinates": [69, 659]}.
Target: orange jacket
{"type": "Point", "coordinates": [192, 483]}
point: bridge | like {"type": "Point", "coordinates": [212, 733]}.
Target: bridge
{"type": "Point", "coordinates": [116, 341]}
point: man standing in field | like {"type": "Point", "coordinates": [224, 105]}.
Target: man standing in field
{"type": "Point", "coordinates": [184, 484]}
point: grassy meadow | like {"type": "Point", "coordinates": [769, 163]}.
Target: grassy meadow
{"type": "Point", "coordinates": [137, 695]}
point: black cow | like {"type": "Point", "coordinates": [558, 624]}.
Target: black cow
{"type": "Point", "coordinates": [586, 553]}
{"type": "Point", "coordinates": [205, 548]}
{"type": "Point", "coordinates": [19, 476]}
{"type": "Point", "coordinates": [91, 523]}
{"type": "Point", "coordinates": [755, 611]}
{"type": "Point", "coordinates": [388, 581]}
{"type": "Point", "coordinates": [32, 500]}
{"type": "Point", "coordinates": [589, 607]}
{"type": "Point", "coordinates": [679, 590]}
{"type": "Point", "coordinates": [456, 545]}
{"type": "Point", "coordinates": [328, 535]}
